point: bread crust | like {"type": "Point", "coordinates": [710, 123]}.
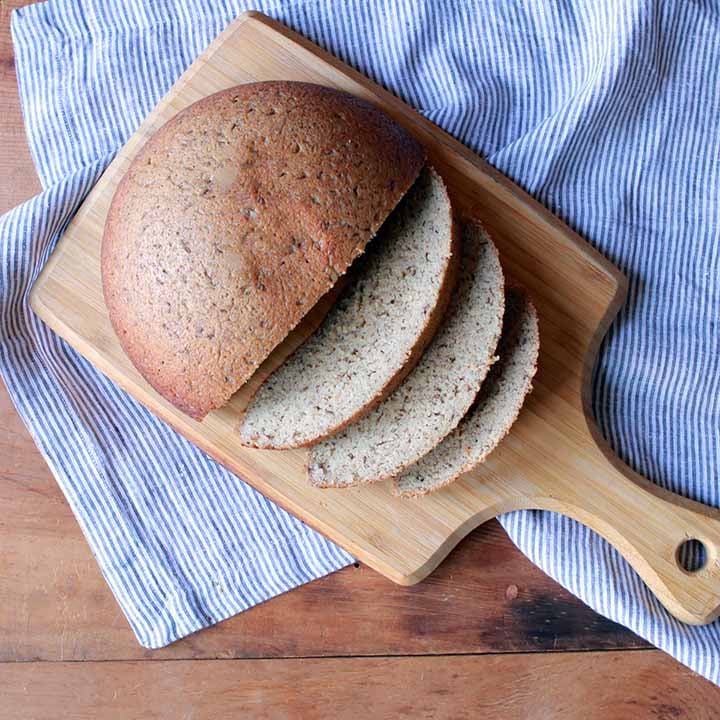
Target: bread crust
{"type": "Point", "coordinates": [234, 219]}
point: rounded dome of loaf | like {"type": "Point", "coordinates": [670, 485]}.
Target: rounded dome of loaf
{"type": "Point", "coordinates": [234, 219]}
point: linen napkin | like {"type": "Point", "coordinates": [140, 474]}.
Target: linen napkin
{"type": "Point", "coordinates": [607, 112]}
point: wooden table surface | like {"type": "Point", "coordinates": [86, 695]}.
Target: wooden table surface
{"type": "Point", "coordinates": [488, 634]}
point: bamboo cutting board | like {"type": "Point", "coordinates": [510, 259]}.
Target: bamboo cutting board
{"type": "Point", "coordinates": [554, 457]}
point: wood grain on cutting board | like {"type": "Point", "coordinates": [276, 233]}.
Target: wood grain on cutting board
{"type": "Point", "coordinates": [550, 460]}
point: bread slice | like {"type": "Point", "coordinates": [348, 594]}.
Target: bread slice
{"type": "Point", "coordinates": [495, 410]}
{"type": "Point", "coordinates": [234, 219]}
{"type": "Point", "coordinates": [373, 335]}
{"type": "Point", "coordinates": [437, 393]}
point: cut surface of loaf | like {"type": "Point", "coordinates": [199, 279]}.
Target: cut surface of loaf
{"type": "Point", "coordinates": [492, 415]}
{"type": "Point", "coordinates": [436, 394]}
{"type": "Point", "coordinates": [374, 333]}
{"type": "Point", "coordinates": [234, 219]}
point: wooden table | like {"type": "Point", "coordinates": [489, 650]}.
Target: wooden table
{"type": "Point", "coordinates": [488, 635]}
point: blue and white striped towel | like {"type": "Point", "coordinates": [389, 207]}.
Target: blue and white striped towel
{"type": "Point", "coordinates": [606, 111]}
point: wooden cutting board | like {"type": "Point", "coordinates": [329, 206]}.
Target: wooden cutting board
{"type": "Point", "coordinates": [553, 459]}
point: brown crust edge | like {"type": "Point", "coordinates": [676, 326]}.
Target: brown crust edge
{"type": "Point", "coordinates": [493, 358]}
{"type": "Point", "coordinates": [168, 389]}
{"type": "Point", "coordinates": [110, 231]}
{"type": "Point", "coordinates": [432, 324]}
{"type": "Point", "coordinates": [469, 466]}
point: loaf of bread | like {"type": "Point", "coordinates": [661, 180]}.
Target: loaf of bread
{"type": "Point", "coordinates": [492, 415]}
{"type": "Point", "coordinates": [437, 393]}
{"type": "Point", "coordinates": [234, 219]}
{"type": "Point", "coordinates": [374, 334]}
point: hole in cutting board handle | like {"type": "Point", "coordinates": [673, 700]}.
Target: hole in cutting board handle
{"type": "Point", "coordinates": [691, 555]}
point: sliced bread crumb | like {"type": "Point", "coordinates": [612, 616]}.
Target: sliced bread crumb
{"type": "Point", "coordinates": [373, 335]}
{"type": "Point", "coordinates": [495, 410]}
{"type": "Point", "coordinates": [437, 393]}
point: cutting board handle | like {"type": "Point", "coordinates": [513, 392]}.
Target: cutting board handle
{"type": "Point", "coordinates": [648, 526]}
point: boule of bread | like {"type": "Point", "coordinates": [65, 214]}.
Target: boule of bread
{"type": "Point", "coordinates": [234, 219]}
{"type": "Point", "coordinates": [373, 335]}
{"type": "Point", "coordinates": [437, 393]}
{"type": "Point", "coordinates": [492, 415]}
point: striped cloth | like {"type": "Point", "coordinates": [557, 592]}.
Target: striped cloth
{"type": "Point", "coordinates": [607, 112]}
